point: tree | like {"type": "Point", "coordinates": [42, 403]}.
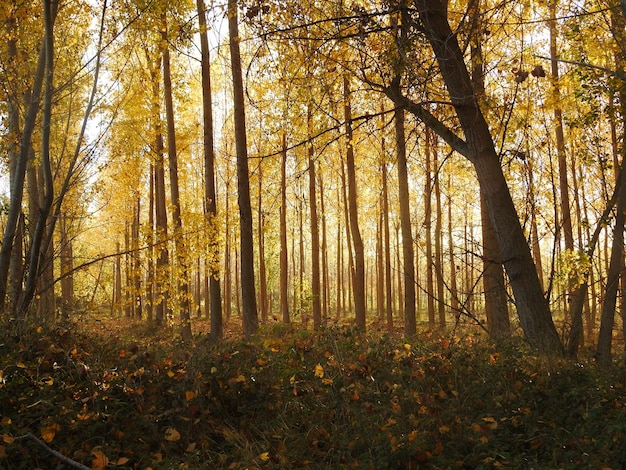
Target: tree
{"type": "Point", "coordinates": [358, 278]}
{"type": "Point", "coordinates": [210, 196]}
{"type": "Point", "coordinates": [478, 147]}
{"type": "Point", "coordinates": [248, 290]}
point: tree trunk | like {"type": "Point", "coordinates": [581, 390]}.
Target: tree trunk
{"type": "Point", "coordinates": [430, 286]}
{"type": "Point", "coordinates": [19, 173]}
{"type": "Point", "coordinates": [284, 266]}
{"type": "Point", "coordinates": [248, 294]}
{"type": "Point", "coordinates": [38, 249]}
{"type": "Point", "coordinates": [182, 270]}
{"type": "Point", "coordinates": [261, 236]}
{"type": "Point", "coordinates": [410, 314]}
{"type": "Point", "coordinates": [387, 273]}
{"type": "Point", "coordinates": [315, 234]}
{"type": "Point", "coordinates": [359, 254]}
{"type": "Point", "coordinates": [217, 328]}
{"type": "Point", "coordinates": [438, 266]}
{"type": "Point", "coordinates": [605, 336]}
{"type": "Point", "coordinates": [161, 284]}
{"type": "Point", "coordinates": [478, 147]}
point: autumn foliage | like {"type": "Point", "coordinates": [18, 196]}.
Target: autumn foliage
{"type": "Point", "coordinates": [287, 398]}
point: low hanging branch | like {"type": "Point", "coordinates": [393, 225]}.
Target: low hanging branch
{"type": "Point", "coordinates": [65, 460]}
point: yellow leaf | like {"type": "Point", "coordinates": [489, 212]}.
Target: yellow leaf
{"type": "Point", "coordinates": [444, 429]}
{"type": "Point", "coordinates": [48, 432]}
{"type": "Point", "coordinates": [122, 461]}
{"type": "Point", "coordinates": [100, 460]}
{"type": "Point", "coordinates": [191, 447]}
{"type": "Point", "coordinates": [319, 371]}
{"type": "Point", "coordinates": [491, 422]}
{"type": "Point", "coordinates": [413, 435]}
{"type": "Point", "coordinates": [265, 456]}
{"type": "Point", "coordinates": [170, 374]}
{"type": "Point", "coordinates": [7, 439]}
{"type": "Point", "coordinates": [172, 435]}
{"type": "Point", "coordinates": [6, 421]}
{"type": "Point", "coordinates": [327, 381]}
{"type": "Point", "coordinates": [20, 364]}
{"type": "Point", "coordinates": [190, 395]}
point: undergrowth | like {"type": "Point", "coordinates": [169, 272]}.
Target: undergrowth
{"type": "Point", "coordinates": [288, 398]}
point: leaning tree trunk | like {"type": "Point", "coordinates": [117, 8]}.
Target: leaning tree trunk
{"type": "Point", "coordinates": [479, 149]}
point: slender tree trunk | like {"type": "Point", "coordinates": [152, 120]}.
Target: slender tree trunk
{"type": "Point", "coordinates": [248, 294]}
{"type": "Point", "coordinates": [325, 276]}
{"type": "Point", "coordinates": [117, 292]}
{"type": "Point", "coordinates": [410, 313]}
{"type": "Point", "coordinates": [315, 234]}
{"type": "Point", "coordinates": [454, 295]}
{"type": "Point", "coordinates": [150, 254]}
{"type": "Point", "coordinates": [38, 249]}
{"type": "Point", "coordinates": [438, 267]}
{"type": "Point", "coordinates": [261, 235]}
{"type": "Point", "coordinates": [182, 274]}
{"type": "Point", "coordinates": [359, 254]}
{"type": "Point", "coordinates": [161, 284]}
{"type": "Point", "coordinates": [605, 336]}
{"type": "Point", "coordinates": [66, 268]}
{"type": "Point", "coordinates": [387, 273]}
{"type": "Point", "coordinates": [284, 266]}
{"type": "Point", "coordinates": [430, 286]}
{"type": "Point", "coordinates": [228, 282]}
{"type": "Point", "coordinates": [19, 170]}
{"type": "Point", "coordinates": [217, 327]}
{"type": "Point", "coordinates": [350, 268]}
{"type": "Point", "coordinates": [136, 261]}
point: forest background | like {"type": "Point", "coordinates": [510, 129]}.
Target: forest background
{"type": "Point", "coordinates": [396, 166]}
{"type": "Point", "coordinates": [319, 165]}
{"type": "Point", "coordinates": [349, 205]}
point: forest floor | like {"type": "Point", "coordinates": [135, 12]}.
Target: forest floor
{"type": "Point", "coordinates": [110, 394]}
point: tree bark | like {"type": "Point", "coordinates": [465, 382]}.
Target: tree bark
{"type": "Point", "coordinates": [359, 254]}
{"type": "Point", "coordinates": [410, 314]}
{"type": "Point", "coordinates": [315, 234]}
{"type": "Point", "coordinates": [182, 274]}
{"type": "Point", "coordinates": [217, 328]}
{"type": "Point", "coordinates": [248, 290]}
{"type": "Point", "coordinates": [478, 147]}
{"type": "Point", "coordinates": [284, 266]}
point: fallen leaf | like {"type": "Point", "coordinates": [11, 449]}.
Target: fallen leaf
{"type": "Point", "coordinates": [265, 456]}
{"type": "Point", "coordinates": [190, 395]}
{"type": "Point", "coordinates": [172, 435]}
{"type": "Point", "coordinates": [48, 432]}
{"type": "Point", "coordinates": [122, 461]}
{"type": "Point", "coordinates": [100, 460]}
{"type": "Point", "coordinates": [319, 371]}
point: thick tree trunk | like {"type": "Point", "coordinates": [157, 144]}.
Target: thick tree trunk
{"type": "Point", "coordinates": [478, 147]}
{"type": "Point", "coordinates": [248, 289]}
